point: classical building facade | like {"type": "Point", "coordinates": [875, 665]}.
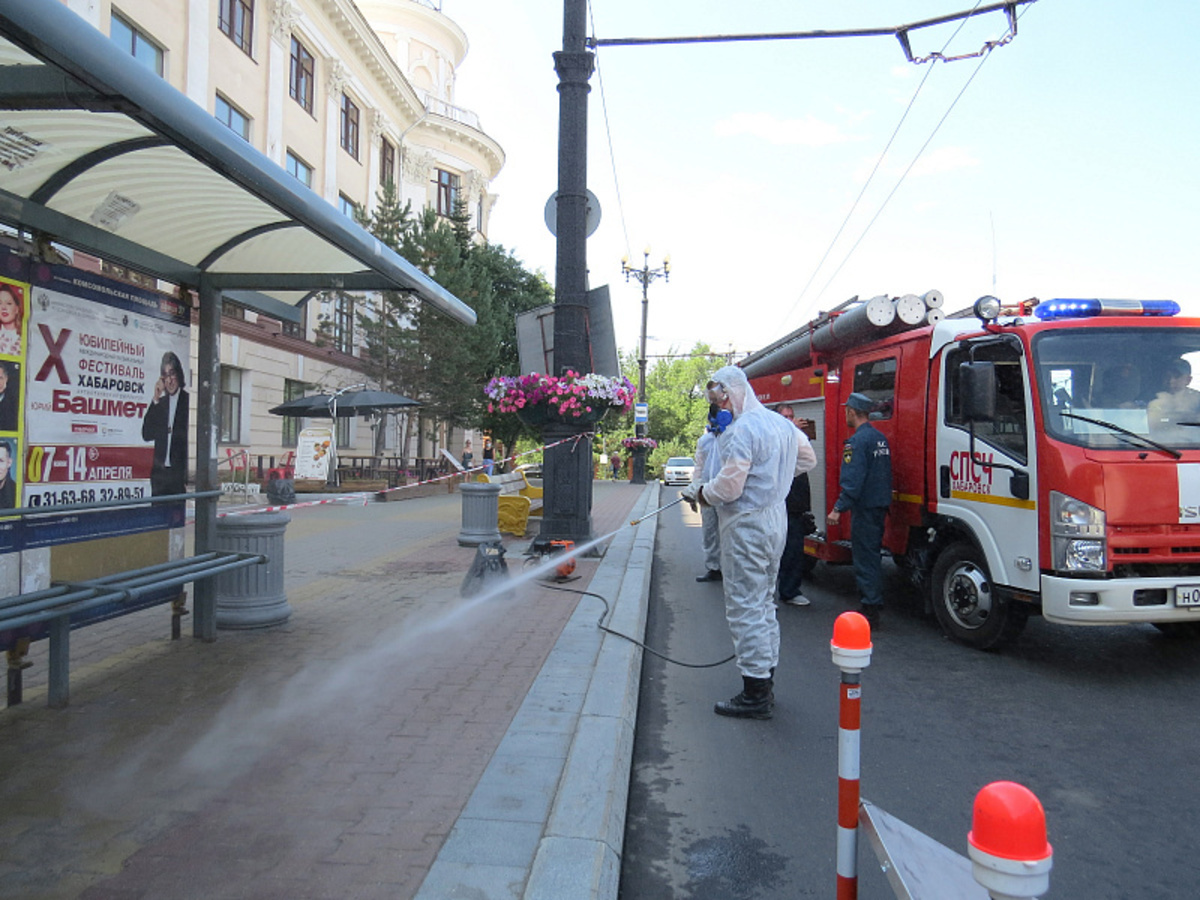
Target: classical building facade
{"type": "Point", "coordinates": [345, 96]}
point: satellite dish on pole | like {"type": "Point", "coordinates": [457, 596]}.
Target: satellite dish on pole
{"type": "Point", "coordinates": [591, 223]}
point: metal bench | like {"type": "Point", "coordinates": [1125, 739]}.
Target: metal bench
{"type": "Point", "coordinates": [516, 501]}
{"type": "Point", "coordinates": [55, 606]}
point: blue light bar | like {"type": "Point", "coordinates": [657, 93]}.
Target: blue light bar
{"type": "Point", "coordinates": [1083, 309]}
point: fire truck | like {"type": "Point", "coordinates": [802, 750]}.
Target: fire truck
{"type": "Point", "coordinates": [1045, 456]}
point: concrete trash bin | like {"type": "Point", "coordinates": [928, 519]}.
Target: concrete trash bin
{"type": "Point", "coordinates": [253, 596]}
{"type": "Point", "coordinates": [480, 514]}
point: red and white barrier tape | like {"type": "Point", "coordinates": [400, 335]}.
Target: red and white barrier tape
{"type": "Point", "coordinates": [365, 497]}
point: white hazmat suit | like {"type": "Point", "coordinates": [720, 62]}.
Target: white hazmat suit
{"type": "Point", "coordinates": [708, 464]}
{"type": "Point", "coordinates": [758, 461]}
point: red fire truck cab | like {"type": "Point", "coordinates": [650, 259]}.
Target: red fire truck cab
{"type": "Point", "coordinates": [1042, 463]}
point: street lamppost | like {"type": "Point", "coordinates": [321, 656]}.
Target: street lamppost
{"type": "Point", "coordinates": [645, 275]}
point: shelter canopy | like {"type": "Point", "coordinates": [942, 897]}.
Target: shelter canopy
{"type": "Point", "coordinates": [103, 155]}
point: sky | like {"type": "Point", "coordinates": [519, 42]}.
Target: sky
{"type": "Point", "coordinates": [784, 178]}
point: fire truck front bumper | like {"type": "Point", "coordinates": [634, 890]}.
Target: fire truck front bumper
{"type": "Point", "coordinates": [1079, 601]}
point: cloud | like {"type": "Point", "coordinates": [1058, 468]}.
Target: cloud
{"type": "Point", "coordinates": [932, 162]}
{"type": "Point", "coordinates": [944, 159]}
{"type": "Point", "coordinates": [807, 132]}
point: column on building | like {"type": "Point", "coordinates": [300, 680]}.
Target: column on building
{"type": "Point", "coordinates": [380, 127]}
{"type": "Point", "coordinates": [333, 124]}
{"type": "Point", "coordinates": [417, 163]}
{"type": "Point", "coordinates": [284, 16]}
{"type": "Point", "coordinates": [199, 25]}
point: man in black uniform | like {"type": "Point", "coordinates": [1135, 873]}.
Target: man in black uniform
{"type": "Point", "coordinates": [866, 491]}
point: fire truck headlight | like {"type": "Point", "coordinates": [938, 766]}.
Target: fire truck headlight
{"type": "Point", "coordinates": [1082, 556]}
{"type": "Point", "coordinates": [1077, 532]}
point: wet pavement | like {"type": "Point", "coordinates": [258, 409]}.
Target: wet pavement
{"type": "Point", "coordinates": [391, 734]}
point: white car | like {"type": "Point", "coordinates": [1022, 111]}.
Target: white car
{"type": "Point", "coordinates": [679, 470]}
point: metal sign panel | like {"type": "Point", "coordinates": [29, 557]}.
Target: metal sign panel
{"type": "Point", "coordinates": [535, 337]}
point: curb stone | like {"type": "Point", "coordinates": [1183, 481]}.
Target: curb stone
{"type": "Point", "coordinates": [547, 818]}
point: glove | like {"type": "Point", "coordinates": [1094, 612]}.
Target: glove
{"type": "Point", "coordinates": [689, 494]}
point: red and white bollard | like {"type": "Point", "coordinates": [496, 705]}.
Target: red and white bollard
{"type": "Point", "coordinates": [851, 648]}
{"type": "Point", "coordinates": [1010, 855]}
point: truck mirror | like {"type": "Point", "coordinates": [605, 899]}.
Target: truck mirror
{"type": "Point", "coordinates": [1018, 485]}
{"type": "Point", "coordinates": [977, 388]}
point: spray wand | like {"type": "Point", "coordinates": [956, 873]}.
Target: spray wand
{"type": "Point", "coordinates": [655, 512]}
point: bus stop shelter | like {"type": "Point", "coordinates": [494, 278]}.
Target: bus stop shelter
{"type": "Point", "coordinates": [100, 155]}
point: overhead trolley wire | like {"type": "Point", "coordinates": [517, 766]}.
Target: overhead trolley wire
{"type": "Point", "coordinates": [901, 33]}
{"type": "Point", "coordinates": [870, 178]}
{"type": "Point", "coordinates": [612, 157]}
{"type": "Point", "coordinates": [983, 57]}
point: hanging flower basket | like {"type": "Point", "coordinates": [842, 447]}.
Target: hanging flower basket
{"type": "Point", "coordinates": [639, 443]}
{"type": "Point", "coordinates": [576, 399]}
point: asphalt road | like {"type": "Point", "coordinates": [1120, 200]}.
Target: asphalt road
{"type": "Point", "coordinates": [1101, 724]}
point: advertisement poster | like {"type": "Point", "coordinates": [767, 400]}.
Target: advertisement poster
{"type": "Point", "coordinates": [14, 313]}
{"type": "Point", "coordinates": [105, 407]}
{"type": "Point", "coordinates": [313, 453]}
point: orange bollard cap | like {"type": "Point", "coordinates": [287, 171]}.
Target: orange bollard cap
{"type": "Point", "coordinates": [1008, 821]}
{"type": "Point", "coordinates": [852, 631]}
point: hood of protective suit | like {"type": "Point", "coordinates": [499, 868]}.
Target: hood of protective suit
{"type": "Point", "coordinates": [737, 386]}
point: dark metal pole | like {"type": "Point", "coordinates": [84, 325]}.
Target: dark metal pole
{"type": "Point", "coordinates": [568, 477]}
{"type": "Point", "coordinates": [206, 392]}
{"type": "Point", "coordinates": [640, 428]}
{"type": "Point", "coordinates": [645, 275]}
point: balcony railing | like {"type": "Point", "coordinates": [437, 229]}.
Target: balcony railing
{"type": "Point", "coordinates": [450, 111]}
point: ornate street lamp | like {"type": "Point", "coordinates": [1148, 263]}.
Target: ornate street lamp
{"type": "Point", "coordinates": [645, 275]}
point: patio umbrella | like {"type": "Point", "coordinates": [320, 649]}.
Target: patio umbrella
{"type": "Point", "coordinates": [349, 403]}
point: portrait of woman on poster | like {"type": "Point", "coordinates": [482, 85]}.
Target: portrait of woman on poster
{"type": "Point", "coordinates": [12, 314]}
{"type": "Point", "coordinates": [10, 395]}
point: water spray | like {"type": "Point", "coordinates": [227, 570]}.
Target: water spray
{"type": "Point", "coordinates": [487, 567]}
{"type": "Point", "coordinates": [489, 577]}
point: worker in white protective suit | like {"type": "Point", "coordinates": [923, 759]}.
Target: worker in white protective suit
{"type": "Point", "coordinates": [759, 458]}
{"type": "Point", "coordinates": [708, 464]}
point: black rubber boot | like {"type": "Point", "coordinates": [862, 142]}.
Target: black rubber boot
{"type": "Point", "coordinates": [756, 701]}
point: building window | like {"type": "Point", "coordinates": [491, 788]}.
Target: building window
{"type": "Point", "coordinates": [343, 431]}
{"type": "Point", "coordinates": [447, 192]}
{"type": "Point", "coordinates": [299, 169]}
{"type": "Point", "coordinates": [479, 216]}
{"type": "Point", "coordinates": [297, 329]}
{"type": "Point", "coordinates": [349, 126]}
{"type": "Point", "coordinates": [301, 80]}
{"type": "Point", "coordinates": [112, 270]}
{"type": "Point", "coordinates": [348, 207]}
{"type": "Point", "coordinates": [292, 390]}
{"type": "Point", "coordinates": [236, 20]}
{"type": "Point", "coordinates": [343, 323]}
{"type": "Point", "coordinates": [387, 162]}
{"type": "Point", "coordinates": [232, 310]}
{"type": "Point", "coordinates": [233, 118]}
{"type": "Point", "coordinates": [137, 43]}
{"type": "Point", "coordinates": [231, 405]}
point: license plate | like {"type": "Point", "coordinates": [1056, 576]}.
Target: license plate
{"type": "Point", "coordinates": [1187, 595]}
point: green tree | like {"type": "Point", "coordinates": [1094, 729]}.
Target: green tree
{"type": "Point", "coordinates": [417, 351]}
{"type": "Point", "coordinates": [675, 393]}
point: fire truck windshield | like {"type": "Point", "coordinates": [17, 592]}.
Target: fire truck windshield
{"type": "Point", "coordinates": [1106, 387]}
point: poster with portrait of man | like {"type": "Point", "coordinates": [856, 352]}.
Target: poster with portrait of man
{"type": "Point", "coordinates": [106, 404]}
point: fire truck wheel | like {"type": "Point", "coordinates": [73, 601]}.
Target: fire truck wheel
{"type": "Point", "coordinates": [965, 603]}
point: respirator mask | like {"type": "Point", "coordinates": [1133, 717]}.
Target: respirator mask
{"type": "Point", "coordinates": [718, 419]}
